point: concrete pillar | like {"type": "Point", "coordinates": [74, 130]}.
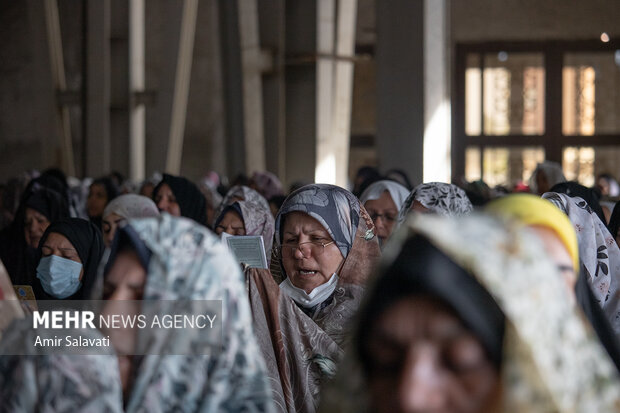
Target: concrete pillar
{"type": "Point", "coordinates": [97, 139]}
{"type": "Point", "coordinates": [437, 136]}
{"type": "Point", "coordinates": [400, 81]}
{"type": "Point", "coordinates": [300, 95]}
{"type": "Point", "coordinates": [271, 35]}
{"type": "Point", "coordinates": [137, 110]}
{"type": "Point", "coordinates": [233, 91]}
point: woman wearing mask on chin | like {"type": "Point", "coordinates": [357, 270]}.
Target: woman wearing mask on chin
{"type": "Point", "coordinates": [71, 249]}
{"type": "Point", "coordinates": [326, 247]}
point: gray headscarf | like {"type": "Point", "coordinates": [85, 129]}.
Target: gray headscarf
{"type": "Point", "coordinates": [131, 206]}
{"type": "Point", "coordinates": [438, 197]}
{"type": "Point", "coordinates": [397, 191]}
{"type": "Point", "coordinates": [188, 262]}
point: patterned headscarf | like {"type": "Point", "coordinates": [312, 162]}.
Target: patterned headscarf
{"type": "Point", "coordinates": [551, 361]}
{"type": "Point", "coordinates": [267, 184]}
{"type": "Point", "coordinates": [56, 382]}
{"type": "Point", "coordinates": [241, 193]}
{"type": "Point", "coordinates": [598, 252]}
{"type": "Point", "coordinates": [398, 192]}
{"type": "Point", "coordinates": [336, 209]}
{"type": "Point", "coordinates": [188, 262]}
{"type": "Point", "coordinates": [440, 198]}
{"type": "Point", "coordinates": [257, 221]}
{"type": "Point", "coordinates": [132, 206]}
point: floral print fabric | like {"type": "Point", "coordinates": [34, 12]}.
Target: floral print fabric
{"type": "Point", "coordinates": [552, 362]}
{"type": "Point", "coordinates": [598, 252]}
{"type": "Point", "coordinates": [440, 198]}
{"type": "Point", "coordinates": [189, 262]}
{"type": "Point", "coordinates": [56, 383]}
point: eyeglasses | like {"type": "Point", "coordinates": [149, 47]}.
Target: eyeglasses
{"type": "Point", "coordinates": [386, 217]}
{"type": "Point", "coordinates": [315, 248]}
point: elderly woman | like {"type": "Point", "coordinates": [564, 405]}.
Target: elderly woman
{"type": "Point", "coordinates": [123, 208]}
{"type": "Point", "coordinates": [19, 242]}
{"type": "Point", "coordinates": [382, 200]}
{"type": "Point", "coordinates": [436, 198]}
{"type": "Point", "coordinates": [71, 249]}
{"type": "Point", "coordinates": [247, 218]}
{"type": "Point", "coordinates": [179, 196]}
{"type": "Point", "coordinates": [327, 249]}
{"type": "Point", "coordinates": [470, 315]}
{"type": "Point", "coordinates": [170, 259]}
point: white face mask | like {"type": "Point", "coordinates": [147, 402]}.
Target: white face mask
{"type": "Point", "coordinates": [316, 296]}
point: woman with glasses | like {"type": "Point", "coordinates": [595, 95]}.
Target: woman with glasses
{"type": "Point", "coordinates": [326, 248]}
{"type": "Point", "coordinates": [382, 200]}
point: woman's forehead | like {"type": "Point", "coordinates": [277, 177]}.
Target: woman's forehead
{"type": "Point", "coordinates": [57, 240]}
{"type": "Point", "coordinates": [301, 220]}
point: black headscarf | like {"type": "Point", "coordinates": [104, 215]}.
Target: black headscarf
{"type": "Point", "coordinates": [590, 195]}
{"type": "Point", "coordinates": [423, 270]}
{"type": "Point", "coordinates": [88, 242]}
{"type": "Point", "coordinates": [18, 258]}
{"type": "Point", "coordinates": [191, 201]}
{"type": "Point", "coordinates": [614, 220]}
{"type": "Point", "coordinates": [108, 184]}
{"type": "Point", "coordinates": [49, 203]}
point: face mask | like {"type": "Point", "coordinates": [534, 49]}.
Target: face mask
{"type": "Point", "coordinates": [316, 296]}
{"type": "Point", "coordinates": [60, 277]}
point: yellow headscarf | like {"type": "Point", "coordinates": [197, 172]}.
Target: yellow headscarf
{"type": "Point", "coordinates": [532, 210]}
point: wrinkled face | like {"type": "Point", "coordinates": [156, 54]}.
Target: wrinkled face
{"type": "Point", "coordinates": [166, 201]}
{"type": "Point", "coordinates": [58, 244]}
{"type": "Point", "coordinates": [559, 255]}
{"type": "Point", "coordinates": [35, 225]}
{"type": "Point", "coordinates": [384, 213]}
{"type": "Point", "coordinates": [96, 201]}
{"type": "Point", "coordinates": [423, 359]}
{"type": "Point", "coordinates": [314, 264]}
{"type": "Point", "coordinates": [231, 224]}
{"type": "Point", "coordinates": [109, 225]}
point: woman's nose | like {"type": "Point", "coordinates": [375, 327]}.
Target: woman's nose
{"type": "Point", "coordinates": [422, 381]}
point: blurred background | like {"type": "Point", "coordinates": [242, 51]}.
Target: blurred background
{"type": "Point", "coordinates": [445, 90]}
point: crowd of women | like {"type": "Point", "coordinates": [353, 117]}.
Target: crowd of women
{"type": "Point", "coordinates": [387, 298]}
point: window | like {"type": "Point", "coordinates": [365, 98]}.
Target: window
{"type": "Point", "coordinates": [518, 103]}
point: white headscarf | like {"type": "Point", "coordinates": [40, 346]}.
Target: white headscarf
{"type": "Point", "coordinates": [397, 191]}
{"type": "Point", "coordinates": [132, 206]}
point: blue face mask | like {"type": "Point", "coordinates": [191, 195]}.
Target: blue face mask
{"type": "Point", "coordinates": [60, 277]}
